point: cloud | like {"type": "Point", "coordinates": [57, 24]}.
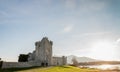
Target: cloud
{"type": "Point", "coordinates": [117, 47]}
{"type": "Point", "coordinates": [67, 29]}
{"type": "Point", "coordinates": [117, 43]}
{"type": "Point", "coordinates": [95, 33]}
{"type": "Point", "coordinates": [118, 40]}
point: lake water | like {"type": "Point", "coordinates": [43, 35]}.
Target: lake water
{"type": "Point", "coordinates": [104, 67]}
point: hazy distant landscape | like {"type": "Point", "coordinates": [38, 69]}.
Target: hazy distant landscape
{"type": "Point", "coordinates": [79, 59]}
{"type": "Point", "coordinates": [89, 61]}
{"type": "Point", "coordinates": [93, 63]}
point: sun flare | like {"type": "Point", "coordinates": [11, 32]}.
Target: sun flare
{"type": "Point", "coordinates": [104, 50]}
{"type": "Point", "coordinates": [105, 67]}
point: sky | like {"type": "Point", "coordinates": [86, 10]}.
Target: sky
{"type": "Point", "coordinates": [89, 28]}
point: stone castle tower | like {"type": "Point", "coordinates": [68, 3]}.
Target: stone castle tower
{"type": "Point", "coordinates": [42, 56]}
{"type": "Point", "coordinates": [43, 51]}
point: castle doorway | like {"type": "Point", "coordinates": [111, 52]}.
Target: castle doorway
{"type": "Point", "coordinates": [46, 64]}
{"type": "Point", "coordinates": [57, 63]}
{"type": "Point", "coordinates": [42, 64]}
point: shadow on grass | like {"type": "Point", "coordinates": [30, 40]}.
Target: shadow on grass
{"type": "Point", "coordinates": [18, 69]}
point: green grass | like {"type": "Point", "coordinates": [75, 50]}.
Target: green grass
{"type": "Point", "coordinates": [50, 69]}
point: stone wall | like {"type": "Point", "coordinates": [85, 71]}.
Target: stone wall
{"type": "Point", "coordinates": [58, 61]}
{"type": "Point", "coordinates": [18, 64]}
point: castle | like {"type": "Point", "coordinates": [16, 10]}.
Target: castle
{"type": "Point", "coordinates": [41, 56]}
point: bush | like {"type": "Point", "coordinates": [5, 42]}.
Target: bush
{"type": "Point", "coordinates": [23, 58]}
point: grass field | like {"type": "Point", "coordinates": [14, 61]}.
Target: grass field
{"type": "Point", "coordinates": [50, 69]}
{"type": "Point", "coordinates": [55, 69]}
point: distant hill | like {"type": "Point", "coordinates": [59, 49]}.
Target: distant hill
{"type": "Point", "coordinates": [79, 59]}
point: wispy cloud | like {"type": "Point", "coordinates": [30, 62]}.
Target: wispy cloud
{"type": "Point", "coordinates": [67, 29]}
{"type": "Point", "coordinates": [118, 40]}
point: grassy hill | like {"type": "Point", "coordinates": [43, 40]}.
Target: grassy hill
{"type": "Point", "coordinates": [51, 69]}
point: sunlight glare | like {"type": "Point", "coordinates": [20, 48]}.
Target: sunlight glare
{"type": "Point", "coordinates": [103, 50]}
{"type": "Point", "coordinates": [105, 67]}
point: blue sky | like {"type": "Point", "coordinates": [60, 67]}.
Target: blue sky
{"type": "Point", "coordinates": [76, 27]}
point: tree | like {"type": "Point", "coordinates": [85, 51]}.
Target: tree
{"type": "Point", "coordinates": [23, 58]}
{"type": "Point", "coordinates": [1, 62]}
{"type": "Point", "coordinates": [75, 62]}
